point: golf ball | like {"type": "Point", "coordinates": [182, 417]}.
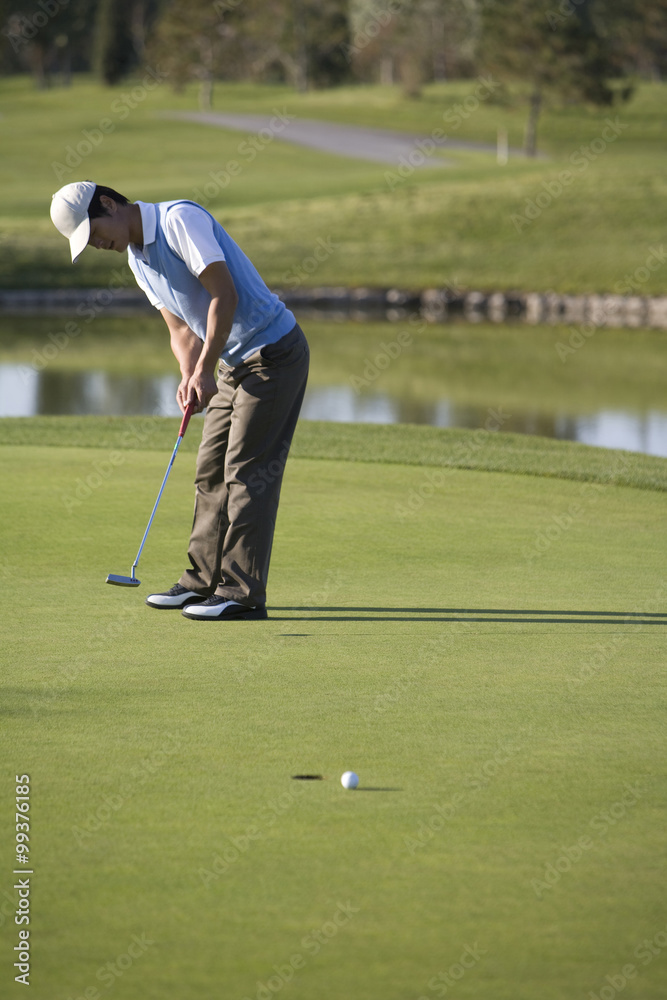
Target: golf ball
{"type": "Point", "coordinates": [349, 779]}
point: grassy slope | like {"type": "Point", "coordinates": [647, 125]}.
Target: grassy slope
{"type": "Point", "coordinates": [452, 226]}
{"type": "Point", "coordinates": [404, 444]}
{"type": "Point", "coordinates": [193, 739]}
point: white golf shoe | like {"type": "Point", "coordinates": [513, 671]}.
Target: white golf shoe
{"type": "Point", "coordinates": [216, 609]}
{"type": "Point", "coordinates": [175, 599]}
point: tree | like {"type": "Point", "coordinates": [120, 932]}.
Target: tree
{"type": "Point", "coordinates": [121, 30]}
{"type": "Point", "coordinates": [643, 35]}
{"type": "Point", "coordinates": [304, 42]}
{"type": "Point", "coordinates": [325, 38]}
{"type": "Point", "coordinates": [416, 41]}
{"type": "Point", "coordinates": [197, 39]}
{"type": "Point", "coordinates": [49, 40]}
{"type": "Point", "coordinates": [301, 41]}
{"type": "Point", "coordinates": [567, 49]}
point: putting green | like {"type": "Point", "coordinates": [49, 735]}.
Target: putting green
{"type": "Point", "coordinates": [485, 649]}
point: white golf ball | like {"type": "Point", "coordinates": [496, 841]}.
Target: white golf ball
{"type": "Point", "coordinates": [349, 779]}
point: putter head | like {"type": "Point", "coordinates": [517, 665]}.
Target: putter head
{"type": "Point", "coordinates": [123, 581]}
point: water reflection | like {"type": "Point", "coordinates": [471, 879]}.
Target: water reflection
{"type": "Point", "coordinates": [26, 393]}
{"type": "Point", "coordinates": [645, 432]}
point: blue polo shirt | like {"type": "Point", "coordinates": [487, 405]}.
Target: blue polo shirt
{"type": "Point", "coordinates": [180, 239]}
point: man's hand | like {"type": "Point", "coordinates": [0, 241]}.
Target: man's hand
{"type": "Point", "coordinates": [187, 348]}
{"type": "Point", "coordinates": [199, 390]}
{"type": "Point", "coordinates": [198, 361]}
{"type": "Point", "coordinates": [182, 393]}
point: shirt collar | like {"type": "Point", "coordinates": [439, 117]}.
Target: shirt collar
{"type": "Point", "coordinates": [148, 225]}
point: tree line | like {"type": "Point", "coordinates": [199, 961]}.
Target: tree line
{"type": "Point", "coordinates": [582, 50]}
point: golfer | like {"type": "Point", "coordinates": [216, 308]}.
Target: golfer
{"type": "Point", "coordinates": [219, 314]}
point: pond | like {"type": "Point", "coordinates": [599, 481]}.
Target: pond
{"type": "Point", "coordinates": [25, 392]}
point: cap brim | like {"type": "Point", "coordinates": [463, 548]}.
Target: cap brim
{"type": "Point", "coordinates": [78, 241]}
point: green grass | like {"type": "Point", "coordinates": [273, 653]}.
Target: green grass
{"type": "Point", "coordinates": [442, 226]}
{"type": "Point", "coordinates": [404, 444]}
{"type": "Point", "coordinates": [386, 107]}
{"type": "Point", "coordinates": [158, 746]}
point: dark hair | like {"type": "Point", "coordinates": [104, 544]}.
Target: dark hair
{"type": "Point", "coordinates": [96, 208]}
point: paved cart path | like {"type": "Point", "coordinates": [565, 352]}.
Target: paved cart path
{"type": "Point", "coordinates": [360, 142]}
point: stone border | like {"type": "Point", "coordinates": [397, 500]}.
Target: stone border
{"type": "Point", "coordinates": [437, 305]}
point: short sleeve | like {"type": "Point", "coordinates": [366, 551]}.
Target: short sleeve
{"type": "Point", "coordinates": [189, 233]}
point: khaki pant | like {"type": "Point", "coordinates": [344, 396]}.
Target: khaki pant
{"type": "Point", "coordinates": [248, 431]}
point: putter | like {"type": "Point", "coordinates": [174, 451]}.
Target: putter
{"type": "Point", "coordinates": [131, 581]}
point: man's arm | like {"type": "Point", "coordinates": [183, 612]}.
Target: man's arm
{"type": "Point", "coordinates": [198, 360]}
{"type": "Point", "coordinates": [219, 283]}
{"type": "Point", "coordinates": [186, 347]}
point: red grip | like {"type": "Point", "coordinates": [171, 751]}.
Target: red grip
{"type": "Point", "coordinates": [189, 410]}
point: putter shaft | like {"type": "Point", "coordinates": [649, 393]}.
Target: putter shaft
{"type": "Point", "coordinates": [131, 581]}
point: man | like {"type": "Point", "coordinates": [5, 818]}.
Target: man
{"type": "Point", "coordinates": [217, 309]}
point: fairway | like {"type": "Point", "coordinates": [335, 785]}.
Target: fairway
{"type": "Point", "coordinates": [484, 646]}
{"type": "Point", "coordinates": [424, 228]}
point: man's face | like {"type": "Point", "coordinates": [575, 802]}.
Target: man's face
{"type": "Point", "coordinates": [110, 232]}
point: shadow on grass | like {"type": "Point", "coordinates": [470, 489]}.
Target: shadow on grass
{"type": "Point", "coordinates": [362, 788]}
{"type": "Point", "coordinates": [472, 615]}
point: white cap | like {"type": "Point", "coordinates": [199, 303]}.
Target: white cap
{"type": "Point", "coordinates": [69, 212]}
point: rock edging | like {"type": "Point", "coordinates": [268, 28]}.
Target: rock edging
{"type": "Point", "coordinates": [436, 305]}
